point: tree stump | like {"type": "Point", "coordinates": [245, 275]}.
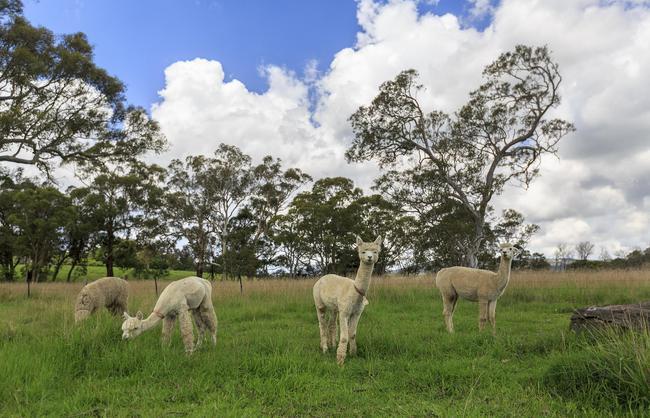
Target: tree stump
{"type": "Point", "coordinates": [635, 316]}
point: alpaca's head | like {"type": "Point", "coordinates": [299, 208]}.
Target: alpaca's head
{"type": "Point", "coordinates": [508, 251]}
{"type": "Point", "coordinates": [369, 251]}
{"type": "Point", "coordinates": [132, 325]}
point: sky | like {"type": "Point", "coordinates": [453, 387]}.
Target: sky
{"type": "Point", "coordinates": [283, 77]}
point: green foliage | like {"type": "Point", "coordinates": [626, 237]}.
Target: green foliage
{"type": "Point", "coordinates": [120, 202]}
{"type": "Point", "coordinates": [636, 259]}
{"type": "Point", "coordinates": [58, 106]}
{"type": "Point", "coordinates": [35, 218]}
{"type": "Point", "coordinates": [496, 138]}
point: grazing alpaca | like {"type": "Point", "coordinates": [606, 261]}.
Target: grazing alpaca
{"type": "Point", "coordinates": [184, 298]}
{"type": "Point", "coordinates": [345, 297]}
{"type": "Point", "coordinates": [109, 292]}
{"type": "Point", "coordinates": [476, 285]}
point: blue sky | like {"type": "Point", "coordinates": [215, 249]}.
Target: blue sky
{"type": "Point", "coordinates": [137, 40]}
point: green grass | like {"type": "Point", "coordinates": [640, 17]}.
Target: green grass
{"type": "Point", "coordinates": [267, 361]}
{"type": "Point", "coordinates": [95, 272]}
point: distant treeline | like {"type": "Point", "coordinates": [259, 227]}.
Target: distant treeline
{"type": "Point", "coordinates": [635, 259]}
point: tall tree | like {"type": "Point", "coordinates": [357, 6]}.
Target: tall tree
{"type": "Point", "coordinates": [39, 216]}
{"type": "Point", "coordinates": [114, 202]}
{"type": "Point", "coordinates": [232, 183]}
{"type": "Point", "coordinates": [57, 105]}
{"type": "Point", "coordinates": [498, 137]}
{"type": "Point", "coordinates": [584, 249]}
{"type": "Point", "coordinates": [329, 215]}
{"type": "Point", "coordinates": [189, 206]}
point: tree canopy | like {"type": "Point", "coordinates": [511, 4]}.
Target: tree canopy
{"type": "Point", "coordinates": [497, 137]}
{"type": "Point", "coordinates": [58, 106]}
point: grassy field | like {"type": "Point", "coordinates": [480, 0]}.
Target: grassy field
{"type": "Point", "coordinates": [267, 361]}
{"type": "Point", "coordinates": [95, 272]}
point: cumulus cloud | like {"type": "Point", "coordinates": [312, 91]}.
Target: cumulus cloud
{"type": "Point", "coordinates": [597, 190]}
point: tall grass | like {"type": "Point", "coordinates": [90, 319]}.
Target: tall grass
{"type": "Point", "coordinates": [268, 361]}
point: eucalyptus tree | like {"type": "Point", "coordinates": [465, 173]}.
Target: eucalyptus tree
{"type": "Point", "coordinates": [497, 137]}
{"type": "Point", "coordinates": [381, 217]}
{"type": "Point", "coordinates": [291, 239]}
{"type": "Point", "coordinates": [189, 206]}
{"type": "Point", "coordinates": [328, 217]}
{"type": "Point", "coordinates": [57, 105]}
{"type": "Point", "coordinates": [273, 190]}
{"type": "Point", "coordinates": [39, 216]}
{"type": "Point", "coordinates": [232, 183]}
{"type": "Point", "coordinates": [116, 201]}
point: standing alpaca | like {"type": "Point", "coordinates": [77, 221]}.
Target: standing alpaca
{"type": "Point", "coordinates": [476, 285]}
{"type": "Point", "coordinates": [109, 292]}
{"type": "Point", "coordinates": [184, 298]}
{"type": "Point", "coordinates": [345, 297]}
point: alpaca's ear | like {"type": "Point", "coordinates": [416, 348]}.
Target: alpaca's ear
{"type": "Point", "coordinates": [125, 316]}
{"type": "Point", "coordinates": [379, 240]}
{"type": "Point", "coordinates": [139, 315]}
{"type": "Point", "coordinates": [359, 240]}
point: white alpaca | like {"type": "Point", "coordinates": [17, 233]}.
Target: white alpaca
{"type": "Point", "coordinates": [476, 285]}
{"type": "Point", "coordinates": [184, 298]}
{"type": "Point", "coordinates": [339, 295]}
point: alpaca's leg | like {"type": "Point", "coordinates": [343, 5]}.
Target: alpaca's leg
{"type": "Point", "coordinates": [168, 326]}
{"type": "Point", "coordinates": [331, 329]}
{"type": "Point", "coordinates": [354, 321]}
{"type": "Point", "coordinates": [449, 303]}
{"type": "Point", "coordinates": [492, 310]}
{"type": "Point", "coordinates": [185, 319]}
{"type": "Point", "coordinates": [343, 340]}
{"type": "Point", "coordinates": [322, 326]}
{"type": "Point", "coordinates": [209, 318]}
{"type": "Point", "coordinates": [482, 314]}
{"type": "Point", "coordinates": [200, 326]}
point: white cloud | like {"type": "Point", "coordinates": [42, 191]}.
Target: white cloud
{"type": "Point", "coordinates": [598, 189]}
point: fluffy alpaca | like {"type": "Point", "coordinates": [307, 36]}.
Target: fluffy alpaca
{"type": "Point", "coordinates": [339, 295]}
{"type": "Point", "coordinates": [109, 292]}
{"type": "Point", "coordinates": [476, 285]}
{"type": "Point", "coordinates": [184, 298]}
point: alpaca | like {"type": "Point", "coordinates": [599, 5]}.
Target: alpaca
{"type": "Point", "coordinates": [184, 298]}
{"type": "Point", "coordinates": [476, 285]}
{"type": "Point", "coordinates": [345, 297]}
{"type": "Point", "coordinates": [109, 292]}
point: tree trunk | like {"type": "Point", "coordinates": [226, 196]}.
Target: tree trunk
{"type": "Point", "coordinates": [72, 266]}
{"type": "Point", "coordinates": [471, 253]}
{"type": "Point", "coordinates": [109, 252]}
{"type": "Point", "coordinates": [28, 279]}
{"type": "Point", "coordinates": [57, 268]}
{"type": "Point", "coordinates": [241, 285]}
{"type": "Point", "coordinates": [635, 316]}
{"type": "Point", "coordinates": [224, 262]}
{"type": "Point", "coordinates": [199, 269]}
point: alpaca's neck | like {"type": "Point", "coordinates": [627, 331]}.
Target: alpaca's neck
{"type": "Point", "coordinates": [150, 322]}
{"type": "Point", "coordinates": [503, 274]}
{"type": "Point", "coordinates": [362, 281]}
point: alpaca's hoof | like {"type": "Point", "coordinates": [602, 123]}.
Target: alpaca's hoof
{"type": "Point", "coordinates": [324, 349]}
{"type": "Point", "coordinates": [340, 361]}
